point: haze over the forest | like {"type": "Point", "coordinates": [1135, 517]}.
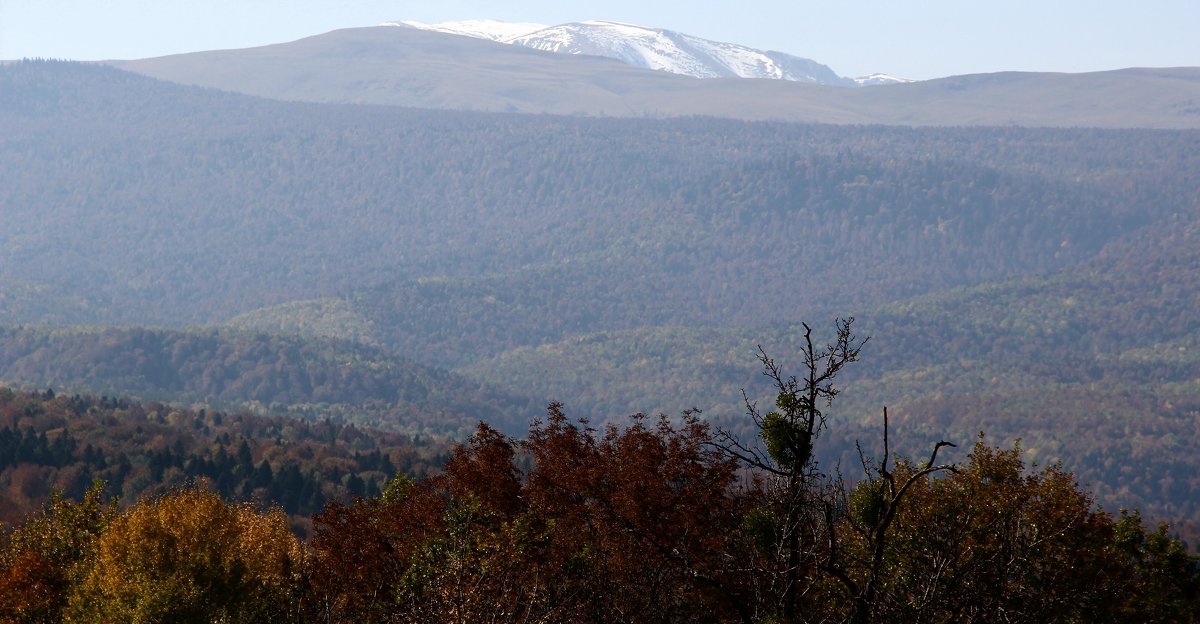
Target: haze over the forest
{"type": "Point", "coordinates": [1030, 282]}
{"type": "Point", "coordinates": [377, 304]}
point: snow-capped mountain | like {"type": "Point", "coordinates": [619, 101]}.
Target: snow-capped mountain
{"type": "Point", "coordinates": [666, 50]}
{"type": "Point", "coordinates": [650, 48]}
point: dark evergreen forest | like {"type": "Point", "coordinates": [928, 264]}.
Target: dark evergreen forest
{"type": "Point", "coordinates": [138, 450]}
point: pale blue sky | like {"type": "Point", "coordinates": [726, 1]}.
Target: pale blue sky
{"type": "Point", "coordinates": [913, 38]}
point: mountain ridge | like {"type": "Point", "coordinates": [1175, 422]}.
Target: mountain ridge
{"type": "Point", "coordinates": [393, 66]}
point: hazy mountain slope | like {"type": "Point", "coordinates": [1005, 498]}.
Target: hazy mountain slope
{"type": "Point", "coordinates": [326, 317]}
{"type": "Point", "coordinates": [1126, 98]}
{"type": "Point", "coordinates": [308, 378]}
{"type": "Point", "coordinates": [1127, 318]}
{"type": "Point", "coordinates": [1078, 326]}
{"type": "Point", "coordinates": [412, 67]}
{"type": "Point", "coordinates": [1097, 366]}
{"type": "Point", "coordinates": [884, 232]}
{"type": "Point", "coordinates": [457, 235]}
{"type": "Point", "coordinates": [21, 299]}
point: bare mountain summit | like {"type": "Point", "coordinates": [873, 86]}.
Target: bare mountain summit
{"type": "Point", "coordinates": [423, 68]}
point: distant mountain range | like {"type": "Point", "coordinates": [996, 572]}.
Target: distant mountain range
{"type": "Point", "coordinates": [433, 68]}
{"type": "Point", "coordinates": [650, 48]}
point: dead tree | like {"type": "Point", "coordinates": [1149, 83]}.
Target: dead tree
{"type": "Point", "coordinates": [804, 506]}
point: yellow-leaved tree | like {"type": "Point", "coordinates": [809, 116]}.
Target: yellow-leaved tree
{"type": "Point", "coordinates": [188, 556]}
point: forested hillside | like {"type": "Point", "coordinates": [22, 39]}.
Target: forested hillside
{"type": "Point", "coordinates": [140, 450]}
{"type": "Point", "coordinates": [1089, 366]}
{"type": "Point", "coordinates": [308, 379]}
{"type": "Point", "coordinates": [647, 521]}
{"type": "Point", "coordinates": [1027, 282]}
{"type": "Point", "coordinates": [167, 204]}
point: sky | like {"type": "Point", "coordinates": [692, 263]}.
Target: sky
{"type": "Point", "coordinates": [916, 39]}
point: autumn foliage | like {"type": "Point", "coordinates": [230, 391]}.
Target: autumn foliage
{"type": "Point", "coordinates": [629, 524]}
{"type": "Point", "coordinates": [661, 520]}
{"type": "Point", "coordinates": [190, 557]}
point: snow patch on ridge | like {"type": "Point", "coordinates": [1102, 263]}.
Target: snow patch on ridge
{"type": "Point", "coordinates": [494, 30]}
{"type": "Point", "coordinates": [880, 79]}
{"type": "Point", "coordinates": [652, 48]}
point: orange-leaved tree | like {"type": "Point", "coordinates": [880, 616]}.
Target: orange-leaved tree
{"type": "Point", "coordinates": [632, 524]}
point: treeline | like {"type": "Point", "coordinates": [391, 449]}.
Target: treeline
{"type": "Point", "coordinates": [646, 522]}
{"type": "Point", "coordinates": [63, 442]}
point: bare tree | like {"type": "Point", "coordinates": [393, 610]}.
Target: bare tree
{"type": "Point", "coordinates": [788, 432]}
{"type": "Point", "coordinates": [804, 507]}
{"type": "Point", "coordinates": [801, 503]}
{"type": "Point", "coordinates": [874, 505]}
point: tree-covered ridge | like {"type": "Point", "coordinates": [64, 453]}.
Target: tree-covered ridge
{"type": "Point", "coordinates": [1127, 316]}
{"type": "Point", "coordinates": [140, 450]}
{"type": "Point", "coordinates": [159, 203]}
{"type": "Point", "coordinates": [309, 378]}
{"type": "Point", "coordinates": [22, 299]}
{"type": "Point", "coordinates": [326, 317]}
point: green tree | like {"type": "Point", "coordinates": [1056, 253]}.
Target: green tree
{"type": "Point", "coordinates": [1165, 583]}
{"type": "Point", "coordinates": [45, 559]}
{"type": "Point", "coordinates": [996, 541]}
